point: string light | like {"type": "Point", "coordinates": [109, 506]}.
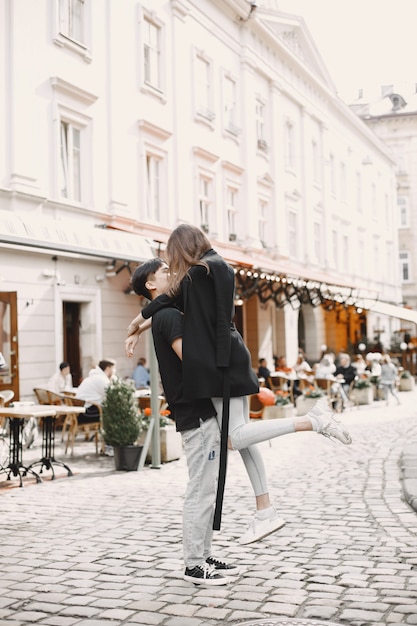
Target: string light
{"type": "Point", "coordinates": [295, 290]}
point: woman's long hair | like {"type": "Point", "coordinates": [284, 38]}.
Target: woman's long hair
{"type": "Point", "coordinates": [185, 247]}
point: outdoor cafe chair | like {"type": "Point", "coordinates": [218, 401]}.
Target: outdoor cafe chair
{"type": "Point", "coordinates": [76, 425]}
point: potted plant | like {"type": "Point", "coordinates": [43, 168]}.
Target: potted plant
{"type": "Point", "coordinates": [282, 406]}
{"type": "Point", "coordinates": [362, 392]}
{"type": "Point", "coordinates": [170, 439]}
{"type": "Point", "coordinates": [407, 382]}
{"type": "Point", "coordinates": [122, 424]}
{"type": "Point", "coordinates": [308, 399]}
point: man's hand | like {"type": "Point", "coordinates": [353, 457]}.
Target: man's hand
{"type": "Point", "coordinates": [130, 344]}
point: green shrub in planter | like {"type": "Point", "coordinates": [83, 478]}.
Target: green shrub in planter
{"type": "Point", "coordinates": [405, 374]}
{"type": "Point", "coordinates": [362, 383]}
{"type": "Point", "coordinates": [122, 424]}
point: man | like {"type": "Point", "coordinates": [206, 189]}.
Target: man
{"type": "Point", "coordinates": [196, 422]}
{"type": "Point", "coordinates": [93, 389]}
{"type": "Point", "coordinates": [141, 374]}
{"type": "Point", "coordinates": [265, 373]}
{"type": "Point", "coordinates": [62, 380]}
{"type": "Point", "coordinates": [346, 372]}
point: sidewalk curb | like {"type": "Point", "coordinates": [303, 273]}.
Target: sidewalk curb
{"type": "Point", "coordinates": [408, 464]}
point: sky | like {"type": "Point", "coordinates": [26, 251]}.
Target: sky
{"type": "Point", "coordinates": [364, 43]}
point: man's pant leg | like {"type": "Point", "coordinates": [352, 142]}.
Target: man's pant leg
{"type": "Point", "coordinates": [202, 450]}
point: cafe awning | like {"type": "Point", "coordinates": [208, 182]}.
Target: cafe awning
{"type": "Point", "coordinates": [392, 310]}
{"type": "Point", "coordinates": [70, 236]}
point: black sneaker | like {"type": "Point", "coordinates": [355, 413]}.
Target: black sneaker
{"type": "Point", "coordinates": [205, 575]}
{"type": "Point", "coordinates": [223, 568]}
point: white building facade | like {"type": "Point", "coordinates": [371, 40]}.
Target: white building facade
{"type": "Point", "coordinates": [135, 116]}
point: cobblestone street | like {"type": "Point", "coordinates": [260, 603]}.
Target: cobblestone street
{"type": "Point", "coordinates": [104, 547]}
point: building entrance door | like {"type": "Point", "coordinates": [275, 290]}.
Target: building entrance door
{"type": "Point", "coordinates": [72, 323]}
{"type": "Point", "coordinates": [9, 354]}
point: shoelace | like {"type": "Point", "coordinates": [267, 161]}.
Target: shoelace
{"type": "Point", "coordinates": [208, 570]}
{"type": "Point", "coordinates": [215, 562]}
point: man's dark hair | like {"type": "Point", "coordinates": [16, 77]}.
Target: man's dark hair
{"type": "Point", "coordinates": [141, 275]}
{"type": "Point", "coordinates": [63, 365]}
{"type": "Point", "coordinates": [104, 364]}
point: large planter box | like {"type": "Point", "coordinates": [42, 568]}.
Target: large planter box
{"type": "Point", "coordinates": [278, 412]}
{"type": "Point", "coordinates": [303, 405]}
{"type": "Point", "coordinates": [171, 444]}
{"type": "Point", "coordinates": [363, 396]}
{"type": "Point", "coordinates": [407, 384]}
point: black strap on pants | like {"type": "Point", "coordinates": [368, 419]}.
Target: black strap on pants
{"type": "Point", "coordinates": [223, 451]}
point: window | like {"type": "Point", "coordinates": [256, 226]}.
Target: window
{"type": "Point", "coordinates": [335, 246]}
{"type": "Point", "coordinates": [405, 267]}
{"type": "Point", "coordinates": [71, 19]}
{"type": "Point", "coordinates": [345, 253]}
{"type": "Point", "coordinates": [70, 161]}
{"type": "Point", "coordinates": [316, 161]}
{"type": "Point", "coordinates": [403, 212]}
{"type": "Point", "coordinates": [231, 208]}
{"type": "Point", "coordinates": [205, 202]}
{"type": "Point", "coordinates": [262, 222]}
{"type": "Point", "coordinates": [373, 200]}
{"type": "Point", "coordinates": [358, 192]}
{"type": "Point", "coordinates": [292, 234]}
{"type": "Point", "coordinates": [343, 188]}
{"type": "Point", "coordinates": [203, 89]}
{"type": "Point", "coordinates": [332, 174]}
{"type": "Point", "coordinates": [153, 196]}
{"type": "Point", "coordinates": [260, 125]}
{"type": "Point", "coordinates": [152, 53]}
{"type": "Point", "coordinates": [289, 146]}
{"type": "Point", "coordinates": [229, 106]}
{"type": "Point", "coordinates": [317, 242]}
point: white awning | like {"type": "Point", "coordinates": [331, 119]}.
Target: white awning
{"type": "Point", "coordinates": [392, 310]}
{"type": "Point", "coordinates": [71, 236]}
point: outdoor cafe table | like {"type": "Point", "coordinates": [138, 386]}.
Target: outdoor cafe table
{"type": "Point", "coordinates": [17, 416]}
{"type": "Point", "coordinates": [48, 437]}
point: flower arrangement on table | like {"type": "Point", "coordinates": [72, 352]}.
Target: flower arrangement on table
{"type": "Point", "coordinates": [164, 419]}
{"type": "Point", "coordinates": [282, 398]}
{"type": "Point", "coordinates": [313, 392]}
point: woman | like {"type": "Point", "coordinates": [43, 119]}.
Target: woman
{"type": "Point", "coordinates": [217, 364]}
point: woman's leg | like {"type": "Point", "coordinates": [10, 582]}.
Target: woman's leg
{"type": "Point", "coordinates": [266, 518]}
{"type": "Point", "coordinates": [243, 433]}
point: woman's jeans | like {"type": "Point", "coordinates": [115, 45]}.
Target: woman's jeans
{"type": "Point", "coordinates": [245, 434]}
{"type": "Point", "coordinates": [202, 451]}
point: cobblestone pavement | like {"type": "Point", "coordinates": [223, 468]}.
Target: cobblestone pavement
{"type": "Point", "coordinates": [104, 547]}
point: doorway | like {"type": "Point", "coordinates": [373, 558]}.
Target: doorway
{"type": "Point", "coordinates": [9, 346]}
{"type": "Point", "coordinates": [71, 325]}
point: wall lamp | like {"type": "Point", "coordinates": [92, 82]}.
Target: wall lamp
{"type": "Point", "coordinates": [112, 271]}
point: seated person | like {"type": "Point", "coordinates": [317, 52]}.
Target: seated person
{"type": "Point", "coordinates": [325, 368]}
{"type": "Point", "coordinates": [281, 366]}
{"type": "Point", "coordinates": [93, 390]}
{"type": "Point", "coordinates": [141, 375]}
{"type": "Point", "coordinates": [346, 371]}
{"type": "Point", "coordinates": [62, 380]}
{"type": "Point", "coordinates": [264, 372]}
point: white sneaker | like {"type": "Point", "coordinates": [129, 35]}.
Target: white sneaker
{"type": "Point", "coordinates": [327, 425]}
{"type": "Point", "coordinates": [260, 528]}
